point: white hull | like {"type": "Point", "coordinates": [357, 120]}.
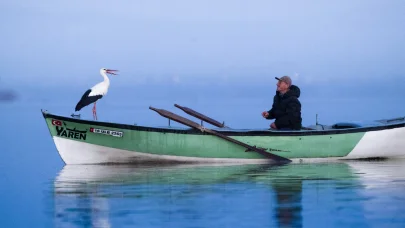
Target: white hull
{"type": "Point", "coordinates": [74, 152]}
{"type": "Point", "coordinates": [388, 143]}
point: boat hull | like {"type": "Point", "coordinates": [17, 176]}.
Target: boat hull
{"type": "Point", "coordinates": [92, 142]}
{"type": "Point", "coordinates": [75, 152]}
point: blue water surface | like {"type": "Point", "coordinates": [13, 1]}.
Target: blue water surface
{"type": "Point", "coordinates": [38, 190]}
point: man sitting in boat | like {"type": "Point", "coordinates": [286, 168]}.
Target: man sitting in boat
{"type": "Point", "coordinates": [286, 109]}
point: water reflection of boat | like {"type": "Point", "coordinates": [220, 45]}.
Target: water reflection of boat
{"type": "Point", "coordinates": [98, 193]}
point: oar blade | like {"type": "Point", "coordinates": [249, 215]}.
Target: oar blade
{"type": "Point", "coordinates": [258, 150]}
{"type": "Point", "coordinates": [192, 124]}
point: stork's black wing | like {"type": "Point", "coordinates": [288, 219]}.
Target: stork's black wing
{"type": "Point", "coordinates": [86, 100]}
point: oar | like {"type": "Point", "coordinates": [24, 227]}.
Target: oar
{"type": "Point", "coordinates": [200, 116]}
{"type": "Point", "coordinates": [217, 123]}
{"type": "Point", "coordinates": [192, 124]}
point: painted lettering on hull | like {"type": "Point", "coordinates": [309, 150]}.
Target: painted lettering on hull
{"type": "Point", "coordinates": [71, 133]}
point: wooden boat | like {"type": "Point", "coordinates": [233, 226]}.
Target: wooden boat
{"type": "Point", "coordinates": [80, 141]}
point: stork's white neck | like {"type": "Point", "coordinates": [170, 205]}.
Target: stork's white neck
{"type": "Point", "coordinates": [106, 79]}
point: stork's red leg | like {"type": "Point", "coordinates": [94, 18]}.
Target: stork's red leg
{"type": "Point", "coordinates": [94, 111]}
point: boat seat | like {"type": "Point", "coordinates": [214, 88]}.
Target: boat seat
{"type": "Point", "coordinates": [340, 125]}
{"type": "Point", "coordinates": [345, 125]}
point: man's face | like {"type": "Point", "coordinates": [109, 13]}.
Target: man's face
{"type": "Point", "coordinates": [282, 86]}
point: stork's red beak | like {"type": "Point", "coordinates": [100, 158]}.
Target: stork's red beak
{"type": "Point", "coordinates": [111, 71]}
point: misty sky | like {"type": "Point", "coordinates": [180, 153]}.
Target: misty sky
{"type": "Point", "coordinates": [202, 41]}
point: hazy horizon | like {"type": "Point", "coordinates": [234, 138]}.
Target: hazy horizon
{"type": "Point", "coordinates": [182, 42]}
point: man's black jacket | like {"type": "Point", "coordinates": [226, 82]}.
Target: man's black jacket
{"type": "Point", "coordinates": [286, 109]}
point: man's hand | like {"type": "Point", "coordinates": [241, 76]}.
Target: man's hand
{"type": "Point", "coordinates": [265, 114]}
{"type": "Point", "coordinates": [273, 125]}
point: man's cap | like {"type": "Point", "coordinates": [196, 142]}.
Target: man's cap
{"type": "Point", "coordinates": [285, 79]}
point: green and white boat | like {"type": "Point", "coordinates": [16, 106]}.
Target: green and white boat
{"type": "Point", "coordinates": [80, 141]}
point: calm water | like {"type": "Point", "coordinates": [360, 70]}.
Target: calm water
{"type": "Point", "coordinates": [37, 190]}
{"type": "Point", "coordinates": [331, 195]}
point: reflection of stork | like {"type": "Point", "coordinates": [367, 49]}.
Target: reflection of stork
{"type": "Point", "coordinates": [96, 92]}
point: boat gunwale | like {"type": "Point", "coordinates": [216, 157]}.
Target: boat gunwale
{"type": "Point", "coordinates": [232, 132]}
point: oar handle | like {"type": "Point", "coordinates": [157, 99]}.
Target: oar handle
{"type": "Point", "coordinates": [199, 116]}
{"type": "Point", "coordinates": [177, 118]}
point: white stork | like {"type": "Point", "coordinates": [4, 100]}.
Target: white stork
{"type": "Point", "coordinates": [96, 92]}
